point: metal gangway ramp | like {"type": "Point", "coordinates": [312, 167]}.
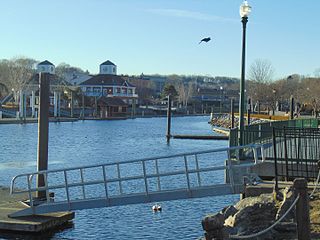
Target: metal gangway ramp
{"type": "Point", "coordinates": [180, 176]}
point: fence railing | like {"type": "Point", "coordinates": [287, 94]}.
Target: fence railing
{"type": "Point", "coordinates": [296, 153]}
{"type": "Point", "coordinates": [262, 133]}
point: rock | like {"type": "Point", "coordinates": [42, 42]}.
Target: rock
{"type": "Point", "coordinates": [228, 211]}
{"type": "Point", "coordinates": [254, 214]}
{"type": "Point", "coordinates": [213, 222]}
{"type": "Point", "coordinates": [250, 201]}
{"type": "Point", "coordinates": [213, 225]}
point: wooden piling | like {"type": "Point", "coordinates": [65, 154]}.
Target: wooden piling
{"type": "Point", "coordinates": [169, 119]}
{"type": "Point", "coordinates": [71, 104]}
{"type": "Point", "coordinates": [249, 111]}
{"type": "Point", "coordinates": [291, 107]}
{"type": "Point", "coordinates": [232, 113]}
{"type": "Point", "coordinates": [302, 209]}
{"type": "Point", "coordinates": [43, 130]}
{"type": "Point", "coordinates": [82, 115]}
{"type": "Point", "coordinates": [133, 111]}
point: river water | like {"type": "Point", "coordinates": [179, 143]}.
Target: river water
{"type": "Point", "coordinates": [96, 142]}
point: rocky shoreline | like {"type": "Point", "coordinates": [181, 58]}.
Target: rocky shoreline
{"type": "Point", "coordinates": [224, 121]}
{"type": "Point", "coordinates": [254, 214]}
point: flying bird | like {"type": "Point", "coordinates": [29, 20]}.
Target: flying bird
{"type": "Point", "coordinates": [207, 39]}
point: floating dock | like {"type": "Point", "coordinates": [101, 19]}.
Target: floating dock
{"type": "Point", "coordinates": [30, 224]}
{"type": "Point", "coordinates": [201, 137]}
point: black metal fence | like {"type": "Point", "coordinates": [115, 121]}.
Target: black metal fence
{"type": "Point", "coordinates": [296, 153]}
{"type": "Point", "coordinates": [262, 133]}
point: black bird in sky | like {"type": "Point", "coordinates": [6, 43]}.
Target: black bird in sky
{"type": "Point", "coordinates": [207, 39]}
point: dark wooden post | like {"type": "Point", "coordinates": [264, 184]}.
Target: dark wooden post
{"type": "Point", "coordinates": [133, 111]}
{"type": "Point", "coordinates": [82, 105]}
{"type": "Point", "coordinates": [169, 119]}
{"type": "Point", "coordinates": [71, 105]}
{"type": "Point", "coordinates": [302, 208]}
{"type": "Point", "coordinates": [43, 131]}
{"type": "Point", "coordinates": [96, 106]}
{"type": "Point", "coordinates": [291, 107]}
{"type": "Point", "coordinates": [249, 111]}
{"type": "Point", "coordinates": [232, 113]}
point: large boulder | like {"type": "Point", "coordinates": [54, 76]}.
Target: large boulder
{"type": "Point", "coordinates": [254, 214]}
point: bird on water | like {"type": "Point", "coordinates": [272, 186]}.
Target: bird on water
{"type": "Point", "coordinates": [207, 39]}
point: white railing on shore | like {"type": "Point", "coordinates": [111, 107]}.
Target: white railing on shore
{"type": "Point", "coordinates": [179, 176]}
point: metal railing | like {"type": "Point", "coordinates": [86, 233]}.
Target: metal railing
{"type": "Point", "coordinates": [296, 153]}
{"type": "Point", "coordinates": [179, 176]}
{"type": "Point", "coordinates": [262, 133]}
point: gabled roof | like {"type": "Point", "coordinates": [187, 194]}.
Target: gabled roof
{"type": "Point", "coordinates": [106, 80]}
{"type": "Point", "coordinates": [111, 101]}
{"type": "Point", "coordinates": [46, 62]}
{"type": "Point", "coordinates": [107, 63]}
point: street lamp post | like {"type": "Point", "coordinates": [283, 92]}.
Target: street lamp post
{"type": "Point", "coordinates": [245, 9]}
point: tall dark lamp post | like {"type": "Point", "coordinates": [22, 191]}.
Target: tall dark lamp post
{"type": "Point", "coordinates": [245, 10]}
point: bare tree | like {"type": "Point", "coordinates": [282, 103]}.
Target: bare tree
{"type": "Point", "coordinates": [18, 72]}
{"type": "Point", "coordinates": [64, 70]}
{"type": "Point", "coordinates": [261, 71]}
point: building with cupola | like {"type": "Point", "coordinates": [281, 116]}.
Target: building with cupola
{"type": "Point", "coordinates": [108, 84]}
{"type": "Point", "coordinates": [113, 93]}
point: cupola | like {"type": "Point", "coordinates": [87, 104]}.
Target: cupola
{"type": "Point", "coordinates": [108, 67]}
{"type": "Point", "coordinates": [46, 67]}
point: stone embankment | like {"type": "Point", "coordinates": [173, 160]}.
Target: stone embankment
{"type": "Point", "coordinates": [224, 121]}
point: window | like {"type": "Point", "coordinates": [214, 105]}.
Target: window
{"type": "Point", "coordinates": [130, 90]}
{"type": "Point", "coordinates": [115, 109]}
{"type": "Point", "coordinates": [124, 109]}
{"type": "Point", "coordinates": [118, 90]}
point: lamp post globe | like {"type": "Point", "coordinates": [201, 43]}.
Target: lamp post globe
{"type": "Point", "coordinates": [245, 10]}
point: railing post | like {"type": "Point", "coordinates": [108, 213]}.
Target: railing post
{"type": "Point", "coordinates": [302, 209]}
{"type": "Point", "coordinates": [276, 187]}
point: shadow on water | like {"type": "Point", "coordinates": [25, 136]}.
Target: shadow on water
{"type": "Point", "coordinates": [10, 235]}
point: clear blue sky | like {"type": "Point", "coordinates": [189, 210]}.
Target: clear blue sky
{"type": "Point", "coordinates": [162, 36]}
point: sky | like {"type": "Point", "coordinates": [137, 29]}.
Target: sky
{"type": "Point", "coordinates": [162, 36]}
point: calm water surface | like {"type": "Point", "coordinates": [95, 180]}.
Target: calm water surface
{"type": "Point", "coordinates": [97, 142]}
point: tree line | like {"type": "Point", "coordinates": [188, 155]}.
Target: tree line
{"type": "Point", "coordinates": [15, 74]}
